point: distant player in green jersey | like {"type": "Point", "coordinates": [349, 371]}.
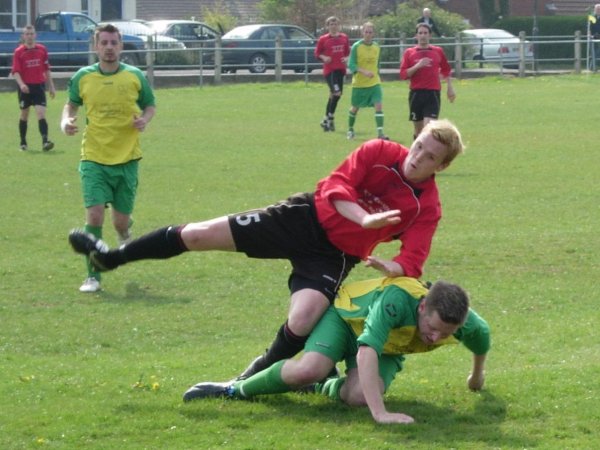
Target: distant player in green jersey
{"type": "Point", "coordinates": [366, 84]}
{"type": "Point", "coordinates": [371, 326]}
{"type": "Point", "coordinates": [119, 104]}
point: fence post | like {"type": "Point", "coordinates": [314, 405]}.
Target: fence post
{"type": "Point", "coordinates": [201, 65]}
{"type": "Point", "coordinates": [218, 61]}
{"type": "Point", "coordinates": [521, 54]}
{"type": "Point", "coordinates": [578, 51]}
{"type": "Point", "coordinates": [458, 63]}
{"type": "Point", "coordinates": [402, 45]}
{"type": "Point", "coordinates": [150, 61]}
{"type": "Point", "coordinates": [92, 52]}
{"type": "Point", "coordinates": [278, 58]}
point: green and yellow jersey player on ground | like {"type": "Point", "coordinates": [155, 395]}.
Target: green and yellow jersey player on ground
{"type": "Point", "coordinates": [371, 326]}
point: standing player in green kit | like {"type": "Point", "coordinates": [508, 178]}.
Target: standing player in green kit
{"type": "Point", "coordinates": [119, 104]}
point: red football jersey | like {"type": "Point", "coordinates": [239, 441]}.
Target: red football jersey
{"type": "Point", "coordinates": [372, 177]}
{"type": "Point", "coordinates": [31, 63]}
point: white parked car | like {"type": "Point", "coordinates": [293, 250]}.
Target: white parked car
{"type": "Point", "coordinates": [494, 45]}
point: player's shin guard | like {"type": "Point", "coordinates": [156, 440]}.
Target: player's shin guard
{"type": "Point", "coordinates": [267, 381]}
{"type": "Point", "coordinates": [333, 102]}
{"type": "Point", "coordinates": [159, 244]}
{"type": "Point", "coordinates": [96, 231]}
{"type": "Point", "coordinates": [351, 119]}
{"type": "Point", "coordinates": [23, 131]}
{"type": "Point", "coordinates": [43, 127]}
{"type": "Point", "coordinates": [285, 346]}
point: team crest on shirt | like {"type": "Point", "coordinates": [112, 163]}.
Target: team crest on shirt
{"type": "Point", "coordinates": [391, 310]}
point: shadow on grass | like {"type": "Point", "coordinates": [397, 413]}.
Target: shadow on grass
{"type": "Point", "coordinates": [134, 293]}
{"type": "Point", "coordinates": [434, 425]}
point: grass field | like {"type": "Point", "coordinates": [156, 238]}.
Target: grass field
{"type": "Point", "coordinates": [107, 371]}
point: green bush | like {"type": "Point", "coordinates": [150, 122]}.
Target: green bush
{"type": "Point", "coordinates": [402, 24]}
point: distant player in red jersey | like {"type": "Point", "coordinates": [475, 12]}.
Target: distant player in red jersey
{"type": "Point", "coordinates": [381, 192]}
{"type": "Point", "coordinates": [333, 49]}
{"type": "Point", "coordinates": [31, 70]}
{"type": "Point", "coordinates": [424, 64]}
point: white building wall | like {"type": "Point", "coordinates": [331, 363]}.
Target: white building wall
{"type": "Point", "coordinates": [94, 7]}
{"type": "Point", "coordinates": [45, 6]}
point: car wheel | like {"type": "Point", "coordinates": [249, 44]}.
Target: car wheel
{"type": "Point", "coordinates": [258, 63]}
{"type": "Point", "coordinates": [130, 58]}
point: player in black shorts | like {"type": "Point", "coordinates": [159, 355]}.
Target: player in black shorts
{"type": "Point", "coordinates": [31, 71]}
{"type": "Point", "coordinates": [323, 234]}
{"type": "Point", "coordinates": [424, 103]}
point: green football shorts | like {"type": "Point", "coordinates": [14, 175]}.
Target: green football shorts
{"type": "Point", "coordinates": [102, 184]}
{"type": "Point", "coordinates": [367, 97]}
{"type": "Point", "coordinates": [335, 339]}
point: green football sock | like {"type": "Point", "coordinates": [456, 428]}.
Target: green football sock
{"type": "Point", "coordinates": [351, 119]}
{"type": "Point", "coordinates": [96, 231]}
{"type": "Point", "coordinates": [331, 388]}
{"type": "Point", "coordinates": [267, 381]}
{"type": "Point", "coordinates": [379, 122]}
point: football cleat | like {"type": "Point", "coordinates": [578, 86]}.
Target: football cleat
{"type": "Point", "coordinates": [209, 390]}
{"type": "Point", "coordinates": [331, 125]}
{"type": "Point", "coordinates": [89, 245]}
{"type": "Point", "coordinates": [47, 146]}
{"type": "Point", "coordinates": [23, 147]}
{"type": "Point", "coordinates": [350, 134]}
{"type": "Point", "coordinates": [85, 243]}
{"type": "Point", "coordinates": [90, 285]}
{"type": "Point", "coordinates": [255, 366]}
{"type": "Point", "coordinates": [325, 125]}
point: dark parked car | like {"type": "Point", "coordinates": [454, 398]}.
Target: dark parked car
{"type": "Point", "coordinates": [252, 47]}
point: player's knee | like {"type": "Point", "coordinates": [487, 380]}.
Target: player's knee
{"type": "Point", "coordinates": [353, 396]}
{"type": "Point", "coordinates": [306, 374]}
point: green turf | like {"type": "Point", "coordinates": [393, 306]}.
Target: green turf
{"type": "Point", "coordinates": [107, 371]}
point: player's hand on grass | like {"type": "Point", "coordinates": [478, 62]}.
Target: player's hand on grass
{"type": "Point", "coordinates": [388, 417]}
{"type": "Point", "coordinates": [382, 219]}
{"type": "Point", "coordinates": [475, 381]}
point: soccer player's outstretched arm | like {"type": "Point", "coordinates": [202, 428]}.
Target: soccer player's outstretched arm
{"type": "Point", "coordinates": [368, 374]}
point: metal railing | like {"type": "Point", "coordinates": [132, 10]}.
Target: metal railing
{"type": "Point", "coordinates": [551, 53]}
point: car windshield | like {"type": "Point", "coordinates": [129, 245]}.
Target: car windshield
{"type": "Point", "coordinates": [159, 26]}
{"type": "Point", "coordinates": [241, 32]}
{"type": "Point", "coordinates": [135, 28]}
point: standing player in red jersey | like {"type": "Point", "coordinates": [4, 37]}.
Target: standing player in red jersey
{"type": "Point", "coordinates": [31, 70]}
{"type": "Point", "coordinates": [425, 64]}
{"type": "Point", "coordinates": [381, 192]}
{"type": "Point", "coordinates": [333, 49]}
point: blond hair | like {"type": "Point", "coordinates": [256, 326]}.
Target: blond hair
{"type": "Point", "coordinates": [446, 133]}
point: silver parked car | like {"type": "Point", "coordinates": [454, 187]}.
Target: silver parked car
{"type": "Point", "coordinates": [494, 45]}
{"type": "Point", "coordinates": [159, 42]}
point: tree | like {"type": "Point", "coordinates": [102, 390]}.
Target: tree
{"type": "Point", "coordinates": [219, 17]}
{"type": "Point", "coordinates": [309, 14]}
{"type": "Point", "coordinates": [404, 20]}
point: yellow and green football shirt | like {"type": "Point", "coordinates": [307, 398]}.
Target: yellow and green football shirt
{"type": "Point", "coordinates": [111, 101]}
{"type": "Point", "coordinates": [382, 313]}
{"type": "Point", "coordinates": [365, 56]}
